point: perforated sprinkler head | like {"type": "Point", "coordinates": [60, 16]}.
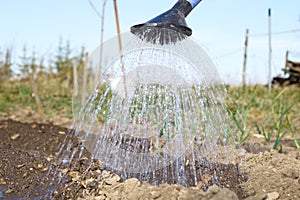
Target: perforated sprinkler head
{"type": "Point", "coordinates": [168, 27]}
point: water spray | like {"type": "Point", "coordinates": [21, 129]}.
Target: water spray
{"type": "Point", "coordinates": [172, 20]}
{"type": "Point", "coordinates": [169, 124]}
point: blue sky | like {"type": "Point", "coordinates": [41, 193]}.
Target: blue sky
{"type": "Point", "coordinates": [218, 26]}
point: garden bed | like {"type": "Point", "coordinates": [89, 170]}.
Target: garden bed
{"type": "Point", "coordinates": [28, 146]}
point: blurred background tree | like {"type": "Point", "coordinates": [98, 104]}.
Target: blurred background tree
{"type": "Point", "coordinates": [5, 65]}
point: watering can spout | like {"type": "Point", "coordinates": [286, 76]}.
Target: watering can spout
{"type": "Point", "coordinates": [173, 20]}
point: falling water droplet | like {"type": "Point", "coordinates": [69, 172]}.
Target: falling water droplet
{"type": "Point", "coordinates": [160, 120]}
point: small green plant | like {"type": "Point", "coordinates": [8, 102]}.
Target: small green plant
{"type": "Point", "coordinates": [296, 141]}
{"type": "Point", "coordinates": [103, 101]}
{"type": "Point", "coordinates": [277, 127]}
{"type": "Point", "coordinates": [238, 117]}
{"type": "Point", "coordinates": [279, 122]}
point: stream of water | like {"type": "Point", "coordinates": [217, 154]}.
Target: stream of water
{"type": "Point", "coordinates": [155, 112]}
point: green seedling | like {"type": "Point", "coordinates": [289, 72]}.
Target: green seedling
{"type": "Point", "coordinates": [278, 126]}
{"type": "Point", "coordinates": [280, 132]}
{"type": "Point", "coordinates": [296, 141]}
{"type": "Point", "coordinates": [240, 125]}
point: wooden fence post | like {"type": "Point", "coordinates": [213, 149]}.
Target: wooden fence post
{"type": "Point", "coordinates": [245, 59]}
{"type": "Point", "coordinates": [85, 74]}
{"type": "Point", "coordinates": [75, 77]}
{"type": "Point", "coordinates": [120, 47]}
{"type": "Point", "coordinates": [270, 52]}
{"type": "Point", "coordinates": [34, 87]}
{"type": "Point", "coordinates": [286, 62]}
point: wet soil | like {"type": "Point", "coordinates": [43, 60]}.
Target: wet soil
{"type": "Point", "coordinates": [29, 169]}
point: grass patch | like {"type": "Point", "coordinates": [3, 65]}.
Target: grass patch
{"type": "Point", "coordinates": [274, 114]}
{"type": "Point", "coordinates": [19, 93]}
{"type": "Point", "coordinates": [253, 109]}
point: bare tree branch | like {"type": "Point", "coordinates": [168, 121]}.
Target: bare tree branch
{"type": "Point", "coordinates": [94, 8]}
